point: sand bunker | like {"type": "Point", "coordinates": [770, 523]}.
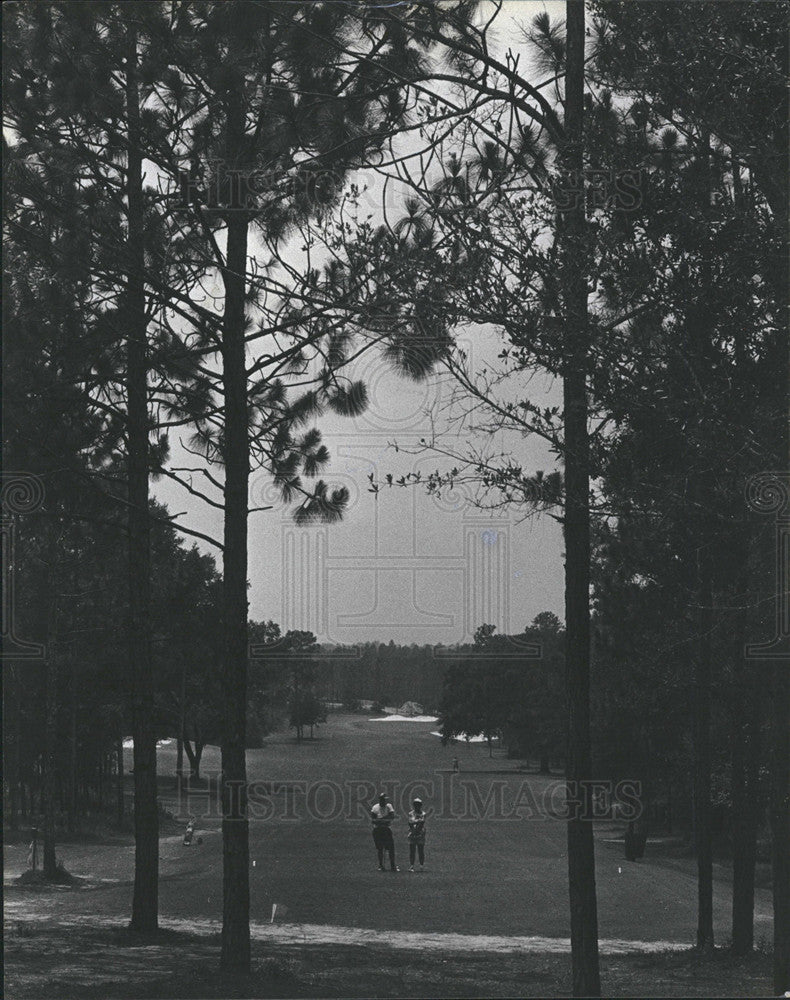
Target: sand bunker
{"type": "Point", "coordinates": [406, 718]}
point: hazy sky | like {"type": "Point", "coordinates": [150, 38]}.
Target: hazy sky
{"type": "Point", "coordinates": [403, 565]}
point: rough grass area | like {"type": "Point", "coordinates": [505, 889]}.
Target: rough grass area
{"type": "Point", "coordinates": [93, 963]}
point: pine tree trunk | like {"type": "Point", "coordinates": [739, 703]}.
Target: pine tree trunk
{"type": "Point", "coordinates": [743, 857]}
{"type": "Point", "coordinates": [190, 757]}
{"type": "Point", "coordinates": [780, 824]}
{"type": "Point", "coordinates": [235, 833]}
{"type": "Point", "coordinates": [182, 721]}
{"type": "Point", "coordinates": [779, 806]}
{"type": "Point", "coordinates": [72, 784]}
{"type": "Point", "coordinates": [13, 805]}
{"type": "Point", "coordinates": [746, 701]}
{"type": "Point", "coordinates": [581, 851]}
{"type": "Point", "coordinates": [745, 839]}
{"type": "Point", "coordinates": [780, 756]}
{"type": "Point", "coordinates": [13, 694]}
{"type": "Point", "coordinates": [745, 771]}
{"type": "Point", "coordinates": [146, 818]}
{"type": "Point", "coordinates": [196, 762]}
{"type": "Point", "coordinates": [703, 494]}
{"type": "Point", "coordinates": [670, 819]}
{"type": "Point", "coordinates": [119, 780]}
{"type": "Point", "coordinates": [702, 753]}
{"type": "Point", "coordinates": [50, 738]}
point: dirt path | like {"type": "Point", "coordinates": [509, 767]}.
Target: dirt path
{"type": "Point", "coordinates": [85, 961]}
{"type": "Point", "coordinates": [327, 934]}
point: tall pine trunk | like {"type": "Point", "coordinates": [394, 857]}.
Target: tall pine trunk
{"type": "Point", "coordinates": [704, 505]}
{"type": "Point", "coordinates": [779, 809]}
{"type": "Point", "coordinates": [12, 693]}
{"type": "Point", "coordinates": [119, 780]}
{"type": "Point", "coordinates": [702, 751]}
{"type": "Point", "coordinates": [747, 708]}
{"type": "Point", "coordinates": [745, 774]}
{"type": "Point", "coordinates": [146, 818]}
{"type": "Point", "coordinates": [182, 716]}
{"type": "Point", "coordinates": [235, 846]}
{"type": "Point", "coordinates": [194, 759]}
{"type": "Point", "coordinates": [50, 740]}
{"type": "Point", "coordinates": [780, 823]}
{"type": "Point", "coordinates": [72, 779]}
{"type": "Point", "coordinates": [745, 767]}
{"type": "Point", "coordinates": [780, 755]}
{"type": "Point", "coordinates": [581, 851]}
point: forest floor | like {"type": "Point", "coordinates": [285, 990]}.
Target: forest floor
{"type": "Point", "coordinates": [107, 963]}
{"type": "Point", "coordinates": [489, 916]}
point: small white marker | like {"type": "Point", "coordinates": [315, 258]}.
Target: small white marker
{"type": "Point", "coordinates": [619, 870]}
{"type": "Point", "coordinates": [254, 863]}
{"type": "Point", "coordinates": [274, 910]}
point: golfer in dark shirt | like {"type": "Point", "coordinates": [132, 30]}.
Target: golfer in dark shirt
{"type": "Point", "coordinates": [417, 835]}
{"type": "Point", "coordinates": [382, 815]}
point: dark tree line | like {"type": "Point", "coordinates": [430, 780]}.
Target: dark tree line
{"type": "Point", "coordinates": [89, 712]}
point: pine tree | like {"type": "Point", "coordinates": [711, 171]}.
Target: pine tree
{"type": "Point", "coordinates": [289, 107]}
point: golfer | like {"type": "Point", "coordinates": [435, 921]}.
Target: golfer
{"type": "Point", "coordinates": [382, 815]}
{"type": "Point", "coordinates": [417, 834]}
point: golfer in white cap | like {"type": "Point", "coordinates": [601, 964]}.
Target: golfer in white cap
{"type": "Point", "coordinates": [417, 834]}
